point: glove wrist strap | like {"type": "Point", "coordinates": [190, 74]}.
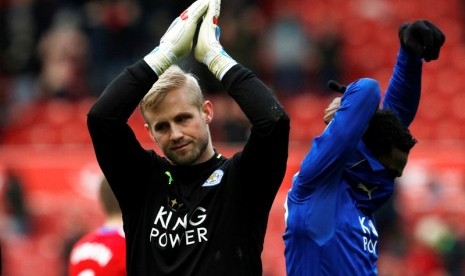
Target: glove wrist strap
{"type": "Point", "coordinates": [219, 64]}
{"type": "Point", "coordinates": [159, 61]}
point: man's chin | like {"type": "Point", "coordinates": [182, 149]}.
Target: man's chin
{"type": "Point", "coordinates": [180, 159]}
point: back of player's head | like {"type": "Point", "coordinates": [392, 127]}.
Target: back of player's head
{"type": "Point", "coordinates": [108, 199]}
{"type": "Point", "coordinates": [386, 132]}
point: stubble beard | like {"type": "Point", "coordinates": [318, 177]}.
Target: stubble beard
{"type": "Point", "coordinates": [190, 156]}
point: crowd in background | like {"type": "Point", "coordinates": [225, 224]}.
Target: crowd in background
{"type": "Point", "coordinates": [71, 49]}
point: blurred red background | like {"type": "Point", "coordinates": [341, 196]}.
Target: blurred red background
{"type": "Point", "coordinates": [45, 141]}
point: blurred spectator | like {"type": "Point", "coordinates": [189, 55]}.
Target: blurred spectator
{"type": "Point", "coordinates": [103, 251]}
{"type": "Point", "coordinates": [22, 23]}
{"type": "Point", "coordinates": [72, 49]}
{"type": "Point", "coordinates": [329, 47]}
{"type": "Point", "coordinates": [75, 227]}
{"type": "Point", "coordinates": [5, 102]}
{"type": "Point", "coordinates": [16, 204]}
{"type": "Point", "coordinates": [289, 53]}
{"type": "Point", "coordinates": [452, 245]}
{"type": "Point", "coordinates": [115, 38]}
{"type": "Point", "coordinates": [423, 255]}
{"type": "Point", "coordinates": [63, 51]}
{"type": "Point", "coordinates": [453, 252]}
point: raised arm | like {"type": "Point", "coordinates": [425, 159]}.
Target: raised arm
{"type": "Point", "coordinates": [115, 144]}
{"type": "Point", "coordinates": [254, 98]}
{"type": "Point", "coordinates": [420, 40]}
{"type": "Point", "coordinates": [339, 140]}
{"type": "Point", "coordinates": [264, 157]}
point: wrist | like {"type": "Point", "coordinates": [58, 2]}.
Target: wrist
{"type": "Point", "coordinates": [408, 56]}
{"type": "Point", "coordinates": [159, 60]}
{"type": "Point", "coordinates": [219, 64]}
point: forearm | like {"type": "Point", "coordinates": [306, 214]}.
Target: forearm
{"type": "Point", "coordinates": [116, 147]}
{"type": "Point", "coordinates": [254, 98]}
{"type": "Point", "coordinates": [340, 138]}
{"type": "Point", "coordinates": [124, 93]}
{"type": "Point", "coordinates": [404, 90]}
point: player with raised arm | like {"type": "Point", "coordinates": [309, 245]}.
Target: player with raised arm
{"type": "Point", "coordinates": [350, 170]}
{"type": "Point", "coordinates": [190, 210]}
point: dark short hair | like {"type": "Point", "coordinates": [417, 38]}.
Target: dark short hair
{"type": "Point", "coordinates": [386, 132]}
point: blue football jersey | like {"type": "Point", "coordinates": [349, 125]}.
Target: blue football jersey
{"type": "Point", "coordinates": [330, 225]}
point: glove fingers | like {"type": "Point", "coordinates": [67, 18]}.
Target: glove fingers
{"type": "Point", "coordinates": [411, 38]}
{"type": "Point", "coordinates": [428, 43]}
{"type": "Point", "coordinates": [195, 11]}
{"type": "Point", "coordinates": [433, 41]}
{"type": "Point", "coordinates": [402, 28]}
{"type": "Point", "coordinates": [186, 20]}
{"type": "Point", "coordinates": [210, 23]}
{"type": "Point", "coordinates": [208, 49]}
{"type": "Point", "coordinates": [213, 12]}
{"type": "Point", "coordinates": [422, 38]}
{"type": "Point", "coordinates": [438, 40]}
{"type": "Point", "coordinates": [172, 25]}
{"type": "Point", "coordinates": [209, 33]}
{"type": "Point", "coordinates": [438, 35]}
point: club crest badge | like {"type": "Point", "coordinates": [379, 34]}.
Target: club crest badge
{"type": "Point", "coordinates": [214, 179]}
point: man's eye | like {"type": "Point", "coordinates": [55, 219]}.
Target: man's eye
{"type": "Point", "coordinates": [182, 119]}
{"type": "Point", "coordinates": [160, 127]}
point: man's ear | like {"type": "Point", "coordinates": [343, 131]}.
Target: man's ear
{"type": "Point", "coordinates": [207, 110]}
{"type": "Point", "coordinates": [147, 128]}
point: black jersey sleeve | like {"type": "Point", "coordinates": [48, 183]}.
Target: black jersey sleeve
{"type": "Point", "coordinates": [124, 93]}
{"type": "Point", "coordinates": [255, 99]}
{"type": "Point", "coordinates": [264, 157]}
{"type": "Point", "coordinates": [119, 154]}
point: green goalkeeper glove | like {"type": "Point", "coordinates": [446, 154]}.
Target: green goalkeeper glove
{"type": "Point", "coordinates": [177, 40]}
{"type": "Point", "coordinates": [208, 49]}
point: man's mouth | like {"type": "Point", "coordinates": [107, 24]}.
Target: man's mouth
{"type": "Point", "coordinates": [179, 147]}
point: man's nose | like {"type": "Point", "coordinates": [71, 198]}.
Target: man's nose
{"type": "Point", "coordinates": [176, 132]}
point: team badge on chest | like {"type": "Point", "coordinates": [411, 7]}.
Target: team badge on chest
{"type": "Point", "coordinates": [214, 179]}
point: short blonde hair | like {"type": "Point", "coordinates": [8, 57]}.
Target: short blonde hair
{"type": "Point", "coordinates": [174, 77]}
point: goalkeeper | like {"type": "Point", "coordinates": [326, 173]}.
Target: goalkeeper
{"type": "Point", "coordinates": [190, 210]}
